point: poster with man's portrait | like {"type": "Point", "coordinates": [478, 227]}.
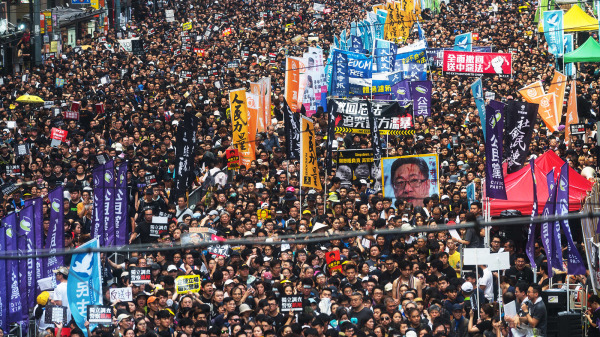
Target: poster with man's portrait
{"type": "Point", "coordinates": [410, 178]}
{"type": "Point", "coordinates": [357, 164]}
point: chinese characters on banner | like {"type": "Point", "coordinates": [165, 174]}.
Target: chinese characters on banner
{"type": "Point", "coordinates": [84, 286]}
{"type": "Point", "coordinates": [187, 283]}
{"type": "Point", "coordinates": [309, 170]}
{"type": "Point", "coordinates": [494, 122]}
{"type": "Point", "coordinates": [239, 121]}
{"type": "Point", "coordinates": [421, 95]}
{"type": "Point", "coordinates": [233, 159]}
{"type": "Point", "coordinates": [558, 86]}
{"type": "Point", "coordinates": [353, 116]}
{"type": "Point", "coordinates": [533, 93]}
{"type": "Point", "coordinates": [292, 81]}
{"type": "Point", "coordinates": [184, 153]}
{"type": "Point", "coordinates": [520, 118]}
{"type": "Point", "coordinates": [547, 111]}
{"type": "Point", "coordinates": [59, 134]}
{"type": "Point", "coordinates": [476, 64]}
{"type": "Point", "coordinates": [572, 116]}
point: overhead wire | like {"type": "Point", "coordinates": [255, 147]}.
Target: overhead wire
{"type": "Point", "coordinates": [307, 238]}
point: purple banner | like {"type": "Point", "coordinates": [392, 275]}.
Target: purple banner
{"type": "Point", "coordinates": [56, 232]}
{"type": "Point", "coordinates": [97, 230]}
{"type": "Point", "coordinates": [15, 309]}
{"type": "Point", "coordinates": [421, 95]}
{"type": "Point", "coordinates": [4, 292]}
{"type": "Point", "coordinates": [401, 92]}
{"type": "Point", "coordinates": [108, 203]}
{"type": "Point", "coordinates": [494, 124]}
{"type": "Point", "coordinates": [530, 248]}
{"type": "Point", "coordinates": [38, 234]}
{"type": "Point", "coordinates": [520, 118]}
{"type": "Point", "coordinates": [546, 226]}
{"type": "Point", "coordinates": [25, 245]}
{"type": "Point", "coordinates": [575, 264]}
{"type": "Point", "coordinates": [557, 258]}
{"type": "Point", "coordinates": [121, 205]}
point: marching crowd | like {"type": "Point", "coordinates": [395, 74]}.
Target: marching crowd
{"type": "Point", "coordinates": [388, 285]}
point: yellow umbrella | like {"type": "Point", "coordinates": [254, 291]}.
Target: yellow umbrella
{"type": "Point", "coordinates": [30, 99]}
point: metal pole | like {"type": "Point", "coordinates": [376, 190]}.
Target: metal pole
{"type": "Point", "coordinates": [36, 58]}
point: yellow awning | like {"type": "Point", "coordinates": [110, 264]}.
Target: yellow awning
{"type": "Point", "coordinates": [574, 20]}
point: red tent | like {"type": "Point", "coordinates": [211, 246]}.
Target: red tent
{"type": "Point", "coordinates": [519, 187]}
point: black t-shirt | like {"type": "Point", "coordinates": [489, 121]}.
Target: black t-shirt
{"type": "Point", "coordinates": [538, 311]}
{"type": "Point", "coordinates": [360, 317]}
{"type": "Point", "coordinates": [520, 275]}
{"type": "Point", "coordinates": [449, 272]}
{"type": "Point", "coordinates": [143, 231]}
{"type": "Point", "coordinates": [388, 276]}
{"type": "Point", "coordinates": [485, 326]}
{"type": "Point", "coordinates": [595, 332]}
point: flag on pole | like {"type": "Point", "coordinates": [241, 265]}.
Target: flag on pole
{"type": "Point", "coordinates": [309, 169]}
{"type": "Point", "coordinates": [575, 264]}
{"type": "Point", "coordinates": [530, 248]}
{"type": "Point", "coordinates": [494, 123]}
{"type": "Point", "coordinates": [558, 86]}
{"type": "Point", "coordinates": [572, 116]}
{"type": "Point", "coordinates": [547, 226]}
{"type": "Point", "coordinates": [477, 92]}
{"type": "Point", "coordinates": [533, 93]}
{"type": "Point", "coordinates": [97, 230]}
{"type": "Point", "coordinates": [121, 205]}
{"type": "Point", "coordinates": [109, 203]}
{"type": "Point", "coordinates": [463, 42]}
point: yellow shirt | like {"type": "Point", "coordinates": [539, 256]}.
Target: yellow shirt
{"type": "Point", "coordinates": [454, 261]}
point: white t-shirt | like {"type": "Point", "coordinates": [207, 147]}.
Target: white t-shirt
{"type": "Point", "coordinates": [60, 294]}
{"type": "Point", "coordinates": [487, 280]}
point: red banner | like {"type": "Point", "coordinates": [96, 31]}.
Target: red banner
{"type": "Point", "coordinates": [233, 159]}
{"type": "Point", "coordinates": [58, 134]}
{"type": "Point", "coordinates": [477, 64]}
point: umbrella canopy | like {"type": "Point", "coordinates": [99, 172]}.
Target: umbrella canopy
{"type": "Point", "coordinates": [30, 99]}
{"type": "Point", "coordinates": [575, 20]}
{"type": "Point", "coordinates": [588, 52]}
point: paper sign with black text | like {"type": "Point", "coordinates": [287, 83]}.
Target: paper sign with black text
{"type": "Point", "coordinates": [56, 314]}
{"type": "Point", "coordinates": [291, 303]}
{"type": "Point", "coordinates": [139, 275]}
{"type": "Point", "coordinates": [120, 294]}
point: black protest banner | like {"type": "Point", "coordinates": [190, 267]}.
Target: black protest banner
{"type": "Point", "coordinates": [353, 117]}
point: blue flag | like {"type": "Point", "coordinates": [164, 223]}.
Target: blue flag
{"type": "Point", "coordinates": [477, 92]}
{"type": "Point", "coordinates": [530, 248]}
{"type": "Point", "coordinates": [568, 41]}
{"type": "Point", "coordinates": [84, 286]}
{"type": "Point", "coordinates": [420, 33]}
{"type": "Point", "coordinates": [383, 56]}
{"type": "Point", "coordinates": [575, 264]}
{"type": "Point", "coordinates": [547, 226]}
{"type": "Point", "coordinates": [463, 42]}
{"type": "Point", "coordinates": [553, 32]}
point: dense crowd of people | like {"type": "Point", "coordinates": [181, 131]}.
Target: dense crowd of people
{"type": "Point", "coordinates": [389, 285]}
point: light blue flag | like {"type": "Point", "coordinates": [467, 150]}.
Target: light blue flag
{"type": "Point", "coordinates": [420, 33]}
{"type": "Point", "coordinates": [568, 41]}
{"type": "Point", "coordinates": [353, 29]}
{"type": "Point", "coordinates": [381, 17]}
{"type": "Point", "coordinates": [336, 42]}
{"type": "Point", "coordinates": [84, 286]}
{"type": "Point", "coordinates": [553, 32]}
{"type": "Point", "coordinates": [477, 91]}
{"type": "Point", "coordinates": [343, 40]}
{"type": "Point", "coordinates": [471, 193]}
{"type": "Point", "coordinates": [463, 42]}
{"type": "Point", "coordinates": [383, 58]}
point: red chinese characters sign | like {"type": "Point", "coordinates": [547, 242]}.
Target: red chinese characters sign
{"type": "Point", "coordinates": [477, 64]}
{"type": "Point", "coordinates": [58, 134]}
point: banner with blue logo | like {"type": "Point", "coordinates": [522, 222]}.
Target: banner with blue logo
{"type": "Point", "coordinates": [25, 245]}
{"type": "Point", "coordinates": [530, 248]}
{"type": "Point", "coordinates": [463, 42]}
{"type": "Point", "coordinates": [421, 95]}
{"type": "Point", "coordinates": [401, 92]}
{"type": "Point", "coordinates": [97, 230]}
{"type": "Point", "coordinates": [575, 264]}
{"type": "Point", "coordinates": [553, 32]}
{"type": "Point", "coordinates": [548, 226]}
{"type": "Point", "coordinates": [108, 203]}
{"type": "Point", "coordinates": [477, 92]}
{"type": "Point", "coordinates": [15, 307]}
{"type": "Point", "coordinates": [121, 205]}
{"type": "Point", "coordinates": [84, 286]}
{"type": "Point", "coordinates": [56, 232]}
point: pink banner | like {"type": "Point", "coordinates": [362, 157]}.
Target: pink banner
{"type": "Point", "coordinates": [477, 64]}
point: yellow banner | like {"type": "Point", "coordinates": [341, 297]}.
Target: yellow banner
{"type": "Point", "coordinates": [187, 283]}
{"type": "Point", "coordinates": [572, 116]}
{"type": "Point", "coordinates": [239, 122]}
{"type": "Point", "coordinates": [558, 86]}
{"type": "Point", "coordinates": [309, 169]}
{"type": "Point", "coordinates": [533, 92]}
{"type": "Point", "coordinates": [547, 111]}
{"type": "Point", "coordinates": [187, 26]}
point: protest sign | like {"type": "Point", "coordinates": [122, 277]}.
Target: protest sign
{"type": "Point", "coordinates": [390, 116]}
{"type": "Point", "coordinates": [159, 224]}
{"type": "Point", "coordinates": [99, 314]}
{"type": "Point", "coordinates": [577, 129]}
{"type": "Point", "coordinates": [140, 275]}
{"type": "Point", "coordinates": [187, 283]}
{"type": "Point", "coordinates": [120, 294]}
{"type": "Point", "coordinates": [222, 250]}
{"type": "Point", "coordinates": [233, 159]}
{"type": "Point", "coordinates": [477, 64]}
{"type": "Point", "coordinates": [291, 303]}
{"type": "Point", "coordinates": [56, 314]}
{"type": "Point", "coordinates": [334, 261]}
